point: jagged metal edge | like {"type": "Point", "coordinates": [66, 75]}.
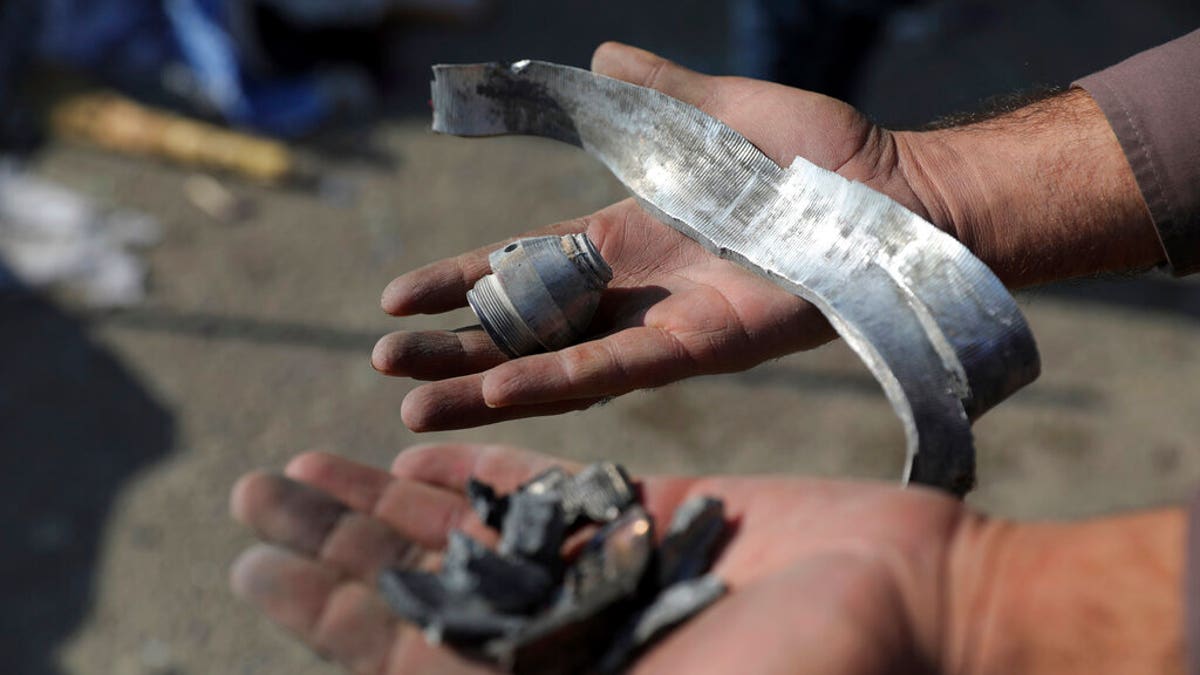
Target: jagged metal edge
{"type": "Point", "coordinates": [937, 329]}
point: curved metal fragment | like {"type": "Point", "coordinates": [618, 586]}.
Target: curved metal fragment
{"type": "Point", "coordinates": [934, 325]}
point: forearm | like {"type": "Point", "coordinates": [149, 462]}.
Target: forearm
{"type": "Point", "coordinates": [1097, 597]}
{"type": "Point", "coordinates": [1039, 194]}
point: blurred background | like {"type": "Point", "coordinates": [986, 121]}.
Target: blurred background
{"type": "Point", "coordinates": [200, 201]}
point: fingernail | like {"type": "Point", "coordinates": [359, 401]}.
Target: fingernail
{"type": "Point", "coordinates": [249, 575]}
{"type": "Point", "coordinates": [379, 360]}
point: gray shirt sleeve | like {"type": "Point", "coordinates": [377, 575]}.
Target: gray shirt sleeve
{"type": "Point", "coordinates": [1152, 101]}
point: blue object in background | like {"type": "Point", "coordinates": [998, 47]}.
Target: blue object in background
{"type": "Point", "coordinates": [138, 43]}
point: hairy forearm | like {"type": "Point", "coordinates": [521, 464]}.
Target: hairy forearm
{"type": "Point", "coordinates": [1096, 597]}
{"type": "Point", "coordinates": [1039, 194]}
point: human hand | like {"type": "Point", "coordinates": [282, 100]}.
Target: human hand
{"type": "Point", "coordinates": [673, 310]}
{"type": "Point", "coordinates": [824, 577]}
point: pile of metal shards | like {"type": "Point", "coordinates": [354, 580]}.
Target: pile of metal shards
{"type": "Point", "coordinates": [528, 608]}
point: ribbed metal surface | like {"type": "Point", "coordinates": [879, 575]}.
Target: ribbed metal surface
{"type": "Point", "coordinates": [500, 320]}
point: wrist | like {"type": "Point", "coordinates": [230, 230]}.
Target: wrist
{"type": "Point", "coordinates": [1039, 194]}
{"type": "Point", "coordinates": [941, 177]}
{"type": "Point", "coordinates": [1096, 597]}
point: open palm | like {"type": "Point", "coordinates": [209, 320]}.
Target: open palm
{"type": "Point", "coordinates": [824, 577]}
{"type": "Point", "coordinates": [673, 310]}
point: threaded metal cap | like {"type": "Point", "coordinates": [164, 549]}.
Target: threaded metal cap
{"type": "Point", "coordinates": [541, 294]}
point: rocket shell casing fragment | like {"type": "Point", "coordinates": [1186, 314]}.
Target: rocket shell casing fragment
{"type": "Point", "coordinates": [542, 293]}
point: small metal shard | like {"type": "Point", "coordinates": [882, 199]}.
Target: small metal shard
{"type": "Point", "coordinates": [534, 527]}
{"type": "Point", "coordinates": [425, 600]}
{"type": "Point", "coordinates": [569, 639]}
{"type": "Point", "coordinates": [601, 588]}
{"type": "Point", "coordinates": [470, 626]}
{"type": "Point", "coordinates": [675, 605]}
{"type": "Point", "coordinates": [415, 596]}
{"type": "Point", "coordinates": [615, 557]}
{"type": "Point", "coordinates": [487, 505]}
{"type": "Point", "coordinates": [508, 585]}
{"type": "Point", "coordinates": [550, 480]}
{"type": "Point", "coordinates": [691, 542]}
{"type": "Point", "coordinates": [600, 492]}
{"type": "Point", "coordinates": [672, 607]}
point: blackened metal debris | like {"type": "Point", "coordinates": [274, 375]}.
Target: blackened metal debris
{"type": "Point", "coordinates": [691, 542]}
{"type": "Point", "coordinates": [446, 613]}
{"type": "Point", "coordinates": [416, 596]}
{"type": "Point", "coordinates": [468, 625]}
{"type": "Point", "coordinates": [506, 583]}
{"type": "Point", "coordinates": [614, 560]}
{"type": "Point", "coordinates": [673, 606]}
{"type": "Point", "coordinates": [489, 507]}
{"type": "Point", "coordinates": [534, 527]}
{"type": "Point", "coordinates": [525, 608]}
{"type": "Point", "coordinates": [601, 595]}
{"type": "Point", "coordinates": [550, 480]}
{"type": "Point", "coordinates": [600, 492]}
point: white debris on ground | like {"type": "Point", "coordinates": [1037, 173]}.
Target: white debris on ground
{"type": "Point", "coordinates": [51, 235]}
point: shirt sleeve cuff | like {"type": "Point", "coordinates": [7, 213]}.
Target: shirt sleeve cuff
{"type": "Point", "coordinates": [1152, 102]}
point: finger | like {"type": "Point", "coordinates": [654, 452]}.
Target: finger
{"type": "Point", "coordinates": [443, 285]}
{"type": "Point", "coordinates": [630, 359]}
{"type": "Point", "coordinates": [647, 69]}
{"type": "Point", "coordinates": [417, 512]}
{"type": "Point", "coordinates": [449, 465]}
{"type": "Point", "coordinates": [435, 355]}
{"type": "Point", "coordinates": [310, 522]}
{"type": "Point", "coordinates": [345, 621]}
{"type": "Point", "coordinates": [458, 403]}
{"type": "Point", "coordinates": [284, 511]}
{"type": "Point", "coordinates": [355, 485]}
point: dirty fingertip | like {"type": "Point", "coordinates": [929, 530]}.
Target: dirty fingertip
{"type": "Point", "coordinates": [417, 409]}
{"type": "Point", "coordinates": [250, 575]}
{"type": "Point", "coordinates": [413, 457]}
{"type": "Point", "coordinates": [244, 493]}
{"type": "Point", "coordinates": [408, 293]}
{"type": "Point", "coordinates": [381, 355]}
{"type": "Point", "coordinates": [391, 300]}
{"type": "Point", "coordinates": [306, 465]}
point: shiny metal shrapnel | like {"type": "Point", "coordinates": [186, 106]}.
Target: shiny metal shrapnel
{"type": "Point", "coordinates": [541, 294]}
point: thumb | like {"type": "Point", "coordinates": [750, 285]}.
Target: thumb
{"type": "Point", "coordinates": [647, 69]}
